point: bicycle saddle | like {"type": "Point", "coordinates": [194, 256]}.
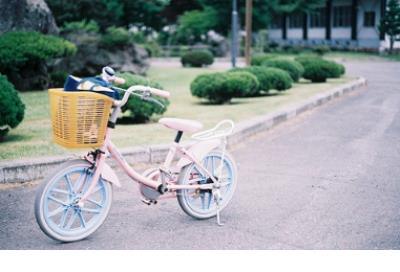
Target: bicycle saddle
{"type": "Point", "coordinates": [184, 125]}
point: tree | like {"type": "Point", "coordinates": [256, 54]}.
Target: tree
{"type": "Point", "coordinates": [390, 23]}
{"type": "Point", "coordinates": [193, 24]}
{"type": "Point", "coordinates": [105, 12]}
{"type": "Point", "coordinates": [290, 6]}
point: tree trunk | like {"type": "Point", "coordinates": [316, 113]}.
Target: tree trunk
{"type": "Point", "coordinates": [391, 44]}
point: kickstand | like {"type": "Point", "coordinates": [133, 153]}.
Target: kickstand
{"type": "Point", "coordinates": [217, 199]}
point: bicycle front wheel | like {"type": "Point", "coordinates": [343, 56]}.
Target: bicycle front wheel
{"type": "Point", "coordinates": [56, 209]}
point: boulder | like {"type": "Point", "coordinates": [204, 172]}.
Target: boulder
{"type": "Point", "coordinates": [92, 56]}
{"type": "Point", "coordinates": [30, 15]}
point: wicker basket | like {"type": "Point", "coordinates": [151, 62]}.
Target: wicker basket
{"type": "Point", "coordinates": [79, 119]}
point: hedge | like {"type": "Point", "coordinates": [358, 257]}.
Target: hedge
{"type": "Point", "coordinates": [258, 59]}
{"type": "Point", "coordinates": [220, 88]}
{"type": "Point", "coordinates": [11, 107]}
{"type": "Point", "coordinates": [294, 68]}
{"type": "Point", "coordinates": [329, 69]}
{"type": "Point", "coordinates": [197, 58]}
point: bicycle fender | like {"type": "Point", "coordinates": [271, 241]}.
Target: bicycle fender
{"type": "Point", "coordinates": [199, 150]}
{"type": "Point", "coordinates": [109, 175]}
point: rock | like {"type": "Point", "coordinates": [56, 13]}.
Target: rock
{"type": "Point", "coordinates": [92, 56]}
{"type": "Point", "coordinates": [30, 15]}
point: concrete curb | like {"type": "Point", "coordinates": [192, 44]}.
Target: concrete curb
{"type": "Point", "coordinates": [17, 171]}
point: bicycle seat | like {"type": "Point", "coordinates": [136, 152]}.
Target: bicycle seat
{"type": "Point", "coordinates": [184, 125]}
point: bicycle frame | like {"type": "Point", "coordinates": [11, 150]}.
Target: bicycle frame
{"type": "Point", "coordinates": [161, 186]}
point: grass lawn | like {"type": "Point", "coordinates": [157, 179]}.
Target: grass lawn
{"type": "Point", "coordinates": [33, 136]}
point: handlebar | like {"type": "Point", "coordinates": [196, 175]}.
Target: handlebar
{"type": "Point", "coordinates": [139, 88]}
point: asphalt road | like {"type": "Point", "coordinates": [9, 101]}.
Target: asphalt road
{"type": "Point", "coordinates": [328, 179]}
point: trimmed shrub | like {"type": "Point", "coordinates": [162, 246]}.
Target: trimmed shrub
{"type": "Point", "coordinates": [258, 59]}
{"type": "Point", "coordinates": [320, 70]}
{"type": "Point", "coordinates": [220, 88]}
{"type": "Point", "coordinates": [244, 84]}
{"type": "Point", "coordinates": [294, 68]}
{"type": "Point", "coordinates": [116, 36]}
{"type": "Point", "coordinates": [20, 48]}
{"type": "Point", "coordinates": [198, 58]}
{"type": "Point", "coordinates": [141, 111]}
{"type": "Point", "coordinates": [332, 69]}
{"type": "Point", "coordinates": [321, 49]}
{"type": "Point", "coordinates": [11, 107]}
{"type": "Point", "coordinates": [278, 79]}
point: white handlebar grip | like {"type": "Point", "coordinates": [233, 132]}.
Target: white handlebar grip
{"type": "Point", "coordinates": [158, 92]}
{"type": "Point", "coordinates": [119, 80]}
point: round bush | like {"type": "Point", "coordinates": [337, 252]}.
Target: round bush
{"type": "Point", "coordinates": [11, 107]}
{"type": "Point", "coordinates": [220, 88]}
{"type": "Point", "coordinates": [243, 84]}
{"type": "Point", "coordinates": [332, 69]}
{"type": "Point", "coordinates": [321, 49]}
{"type": "Point", "coordinates": [319, 71]}
{"type": "Point", "coordinates": [258, 59]}
{"type": "Point", "coordinates": [294, 68]}
{"type": "Point", "coordinates": [268, 78]}
{"type": "Point", "coordinates": [278, 79]}
{"type": "Point", "coordinates": [197, 58]}
{"type": "Point", "coordinates": [140, 111]}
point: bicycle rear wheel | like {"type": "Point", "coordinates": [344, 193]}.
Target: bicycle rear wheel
{"type": "Point", "coordinates": [56, 209]}
{"type": "Point", "coordinates": [200, 203]}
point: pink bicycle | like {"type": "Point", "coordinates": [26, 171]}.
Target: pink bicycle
{"type": "Point", "coordinates": [74, 201]}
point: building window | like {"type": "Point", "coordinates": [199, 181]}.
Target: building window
{"type": "Point", "coordinates": [342, 16]}
{"type": "Point", "coordinates": [369, 19]}
{"type": "Point", "coordinates": [296, 20]}
{"type": "Point", "coordinates": [276, 22]}
{"type": "Point", "coordinates": [318, 18]}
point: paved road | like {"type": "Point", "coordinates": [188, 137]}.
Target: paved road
{"type": "Point", "coordinates": [326, 180]}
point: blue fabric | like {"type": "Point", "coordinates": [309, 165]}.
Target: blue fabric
{"type": "Point", "coordinates": [71, 85]}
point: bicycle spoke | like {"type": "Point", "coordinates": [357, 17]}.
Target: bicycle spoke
{"type": "Point", "coordinates": [94, 202]}
{"type": "Point", "coordinates": [56, 211]}
{"type": "Point", "coordinates": [60, 191]}
{"type": "Point", "coordinates": [62, 220]}
{"type": "Point", "coordinates": [203, 201]}
{"type": "Point", "coordinates": [78, 183]}
{"type": "Point", "coordinates": [57, 200]}
{"type": "Point", "coordinates": [209, 200]}
{"type": "Point", "coordinates": [90, 210]}
{"type": "Point", "coordinates": [71, 220]}
{"type": "Point", "coordinates": [83, 222]}
{"type": "Point", "coordinates": [69, 184]}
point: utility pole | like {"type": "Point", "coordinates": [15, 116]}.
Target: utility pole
{"type": "Point", "coordinates": [234, 33]}
{"type": "Point", "coordinates": [249, 15]}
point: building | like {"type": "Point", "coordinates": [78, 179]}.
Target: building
{"type": "Point", "coordinates": [339, 23]}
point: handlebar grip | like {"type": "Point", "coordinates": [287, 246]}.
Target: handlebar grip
{"type": "Point", "coordinates": [119, 80]}
{"type": "Point", "coordinates": [158, 92]}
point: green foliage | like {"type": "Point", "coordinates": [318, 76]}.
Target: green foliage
{"type": "Point", "coordinates": [220, 88]}
{"type": "Point", "coordinates": [104, 12]}
{"type": "Point", "coordinates": [197, 58]}
{"type": "Point", "coordinates": [116, 36]}
{"type": "Point", "coordinates": [83, 25]}
{"type": "Point", "coordinates": [20, 48]}
{"type": "Point", "coordinates": [390, 23]}
{"type": "Point", "coordinates": [261, 73]}
{"type": "Point", "coordinates": [331, 68]}
{"type": "Point", "coordinates": [290, 6]}
{"type": "Point", "coordinates": [278, 79]}
{"type": "Point", "coordinates": [193, 24]}
{"type": "Point", "coordinates": [294, 68]}
{"type": "Point", "coordinates": [321, 49]}
{"type": "Point", "coordinates": [57, 79]}
{"type": "Point", "coordinates": [11, 107]}
{"type": "Point", "coordinates": [153, 48]}
{"type": "Point", "coordinates": [258, 59]}
{"type": "Point", "coordinates": [141, 111]}
{"type": "Point", "coordinates": [244, 84]}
